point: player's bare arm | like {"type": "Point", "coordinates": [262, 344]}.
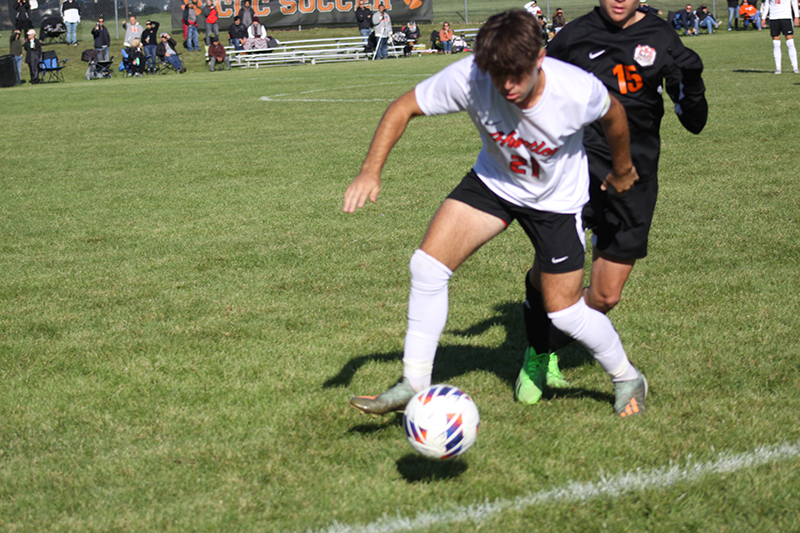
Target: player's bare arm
{"type": "Point", "coordinates": [615, 126]}
{"type": "Point", "coordinates": [368, 182]}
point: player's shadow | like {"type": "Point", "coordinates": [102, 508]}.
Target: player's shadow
{"type": "Point", "coordinates": [752, 71]}
{"type": "Point", "coordinates": [453, 360]}
{"type": "Point", "coordinates": [415, 468]}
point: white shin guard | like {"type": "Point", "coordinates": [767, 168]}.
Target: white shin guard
{"type": "Point", "coordinates": [594, 330]}
{"type": "Point", "coordinates": [427, 316]}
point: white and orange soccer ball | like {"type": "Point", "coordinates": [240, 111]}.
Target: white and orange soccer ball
{"type": "Point", "coordinates": [441, 422]}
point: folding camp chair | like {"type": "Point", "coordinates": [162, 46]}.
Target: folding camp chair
{"type": "Point", "coordinates": [53, 31]}
{"type": "Point", "coordinates": [50, 67]}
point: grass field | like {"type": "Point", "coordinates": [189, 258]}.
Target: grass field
{"type": "Point", "coordinates": [185, 312]}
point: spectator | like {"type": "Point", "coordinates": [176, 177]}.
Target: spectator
{"type": "Point", "coordinates": [33, 52]}
{"type": "Point", "coordinates": [446, 38]}
{"type": "Point", "coordinates": [750, 14]}
{"type": "Point", "coordinates": [237, 33]}
{"type": "Point", "coordinates": [246, 14]}
{"type": "Point", "coordinates": [688, 20]}
{"type": "Point", "coordinates": [733, 8]}
{"type": "Point", "coordinates": [166, 52]}
{"type": "Point", "coordinates": [15, 49]}
{"type": "Point", "coordinates": [412, 34]}
{"type": "Point", "coordinates": [543, 24]}
{"type": "Point", "coordinates": [383, 30]}
{"type": "Point", "coordinates": [133, 30]}
{"type": "Point", "coordinates": [532, 8]}
{"type": "Point", "coordinates": [559, 20]}
{"type": "Point", "coordinates": [23, 17]}
{"type": "Point", "coordinates": [256, 36]}
{"type": "Point", "coordinates": [212, 26]}
{"type": "Point", "coordinates": [217, 54]}
{"type": "Point", "coordinates": [71, 13]}
{"type": "Point", "coordinates": [643, 6]}
{"type": "Point", "coordinates": [150, 42]}
{"type": "Point", "coordinates": [364, 19]}
{"type": "Point", "coordinates": [706, 19]}
{"type": "Point", "coordinates": [136, 58]}
{"type": "Point", "coordinates": [102, 39]}
{"type": "Point", "coordinates": [190, 13]}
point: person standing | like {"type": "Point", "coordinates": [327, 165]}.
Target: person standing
{"type": "Point", "coordinates": [247, 14]}
{"type": "Point", "coordinates": [15, 49]}
{"type": "Point", "coordinates": [133, 30]}
{"type": "Point", "coordinates": [364, 19]}
{"type": "Point", "coordinates": [783, 17]}
{"type": "Point", "coordinates": [531, 112]}
{"type": "Point", "coordinates": [150, 43]}
{"type": "Point", "coordinates": [190, 13]}
{"type": "Point", "coordinates": [102, 40]}
{"type": "Point", "coordinates": [383, 30]}
{"type": "Point", "coordinates": [23, 16]}
{"type": "Point", "coordinates": [634, 55]}
{"type": "Point", "coordinates": [33, 52]}
{"type": "Point", "coordinates": [71, 13]}
{"type": "Point", "coordinates": [212, 18]}
{"type": "Point", "coordinates": [733, 10]}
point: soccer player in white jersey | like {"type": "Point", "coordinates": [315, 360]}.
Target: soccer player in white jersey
{"type": "Point", "coordinates": [530, 112]}
{"type": "Point", "coordinates": [783, 17]}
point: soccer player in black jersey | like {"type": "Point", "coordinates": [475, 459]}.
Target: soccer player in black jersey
{"type": "Point", "coordinates": [636, 55]}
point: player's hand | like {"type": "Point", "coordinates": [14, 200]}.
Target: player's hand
{"type": "Point", "coordinates": [620, 182]}
{"type": "Point", "coordinates": [364, 186]}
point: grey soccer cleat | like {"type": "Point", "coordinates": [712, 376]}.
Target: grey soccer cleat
{"type": "Point", "coordinates": [394, 399]}
{"type": "Point", "coordinates": [629, 396]}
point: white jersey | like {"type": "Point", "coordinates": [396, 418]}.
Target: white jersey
{"type": "Point", "coordinates": [530, 157]}
{"type": "Point", "coordinates": [779, 9]}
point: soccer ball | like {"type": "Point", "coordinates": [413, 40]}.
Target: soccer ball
{"type": "Point", "coordinates": [441, 422]}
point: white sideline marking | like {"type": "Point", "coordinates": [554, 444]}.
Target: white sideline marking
{"type": "Point", "coordinates": [613, 486]}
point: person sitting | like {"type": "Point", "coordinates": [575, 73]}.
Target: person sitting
{"type": "Point", "coordinates": [256, 36]}
{"type": "Point", "coordinates": [446, 38]}
{"type": "Point", "coordinates": [706, 19]}
{"type": "Point", "coordinates": [559, 20]}
{"type": "Point", "coordinates": [237, 33]}
{"type": "Point", "coordinates": [750, 14]}
{"type": "Point", "coordinates": [217, 54]}
{"type": "Point", "coordinates": [166, 52]}
{"type": "Point", "coordinates": [644, 7]}
{"type": "Point", "coordinates": [687, 20]}
{"type": "Point", "coordinates": [412, 34]}
{"type": "Point", "coordinates": [136, 58]}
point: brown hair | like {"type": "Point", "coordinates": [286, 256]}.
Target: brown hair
{"type": "Point", "coordinates": [508, 45]}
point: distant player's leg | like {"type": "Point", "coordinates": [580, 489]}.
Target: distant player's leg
{"type": "Point", "coordinates": [456, 232]}
{"type": "Point", "coordinates": [792, 53]}
{"type": "Point", "coordinates": [776, 53]}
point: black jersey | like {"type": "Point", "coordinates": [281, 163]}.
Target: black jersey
{"type": "Point", "coordinates": [635, 63]}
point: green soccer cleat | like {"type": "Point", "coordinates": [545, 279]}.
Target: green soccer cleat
{"type": "Point", "coordinates": [629, 396]}
{"type": "Point", "coordinates": [555, 379]}
{"type": "Point", "coordinates": [532, 377]}
{"type": "Point", "coordinates": [394, 399]}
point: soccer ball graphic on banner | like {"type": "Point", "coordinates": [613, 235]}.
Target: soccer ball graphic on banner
{"type": "Point", "coordinates": [441, 422]}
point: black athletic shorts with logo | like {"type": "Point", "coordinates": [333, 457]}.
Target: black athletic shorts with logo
{"type": "Point", "coordinates": [784, 26]}
{"type": "Point", "coordinates": [620, 223]}
{"type": "Point", "coordinates": [558, 239]}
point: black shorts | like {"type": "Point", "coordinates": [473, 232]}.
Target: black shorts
{"type": "Point", "coordinates": [784, 26]}
{"type": "Point", "coordinates": [558, 239]}
{"type": "Point", "coordinates": [620, 223]}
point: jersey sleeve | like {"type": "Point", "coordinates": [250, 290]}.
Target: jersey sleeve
{"type": "Point", "coordinates": [599, 101]}
{"type": "Point", "coordinates": [684, 84]}
{"type": "Point", "coordinates": [447, 91]}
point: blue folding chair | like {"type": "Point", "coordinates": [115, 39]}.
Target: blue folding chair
{"type": "Point", "coordinates": [50, 67]}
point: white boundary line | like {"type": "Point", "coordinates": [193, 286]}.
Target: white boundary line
{"type": "Point", "coordinates": [611, 487]}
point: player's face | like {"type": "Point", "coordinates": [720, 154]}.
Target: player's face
{"type": "Point", "coordinates": [520, 91]}
{"type": "Point", "coordinates": [621, 13]}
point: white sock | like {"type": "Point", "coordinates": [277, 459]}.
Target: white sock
{"type": "Point", "coordinates": [427, 316]}
{"type": "Point", "coordinates": [594, 330]}
{"type": "Point", "coordinates": [776, 53]}
{"type": "Point", "coordinates": [792, 53]}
